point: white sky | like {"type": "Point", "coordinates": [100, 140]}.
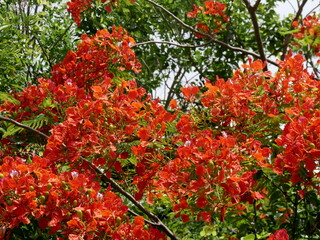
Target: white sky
{"type": "Point", "coordinates": [291, 6]}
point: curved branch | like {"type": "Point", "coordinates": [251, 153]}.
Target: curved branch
{"type": "Point", "coordinates": [174, 44]}
{"type": "Point", "coordinates": [23, 126]}
{"type": "Point", "coordinates": [237, 49]}
{"type": "Point", "coordinates": [313, 9]}
{"type": "Point", "coordinates": [255, 6]}
{"type": "Point", "coordinates": [177, 78]}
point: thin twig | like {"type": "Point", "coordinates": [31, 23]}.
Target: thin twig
{"type": "Point", "coordinates": [136, 214]}
{"type": "Point", "coordinates": [255, 218]}
{"type": "Point", "coordinates": [287, 197]}
{"type": "Point", "coordinates": [174, 44]}
{"type": "Point", "coordinates": [60, 37]}
{"type": "Point", "coordinates": [43, 50]}
{"type": "Point", "coordinates": [165, 20]}
{"type": "Point", "coordinates": [313, 9]}
{"type": "Point", "coordinates": [175, 80]}
{"type": "Point", "coordinates": [295, 217]}
{"type": "Point", "coordinates": [23, 126]}
{"type": "Point", "coordinates": [210, 36]}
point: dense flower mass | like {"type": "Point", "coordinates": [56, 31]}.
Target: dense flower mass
{"type": "Point", "coordinates": [109, 121]}
{"type": "Point", "coordinates": [71, 201]}
{"type": "Point", "coordinates": [60, 191]}
{"type": "Point", "coordinates": [279, 235]}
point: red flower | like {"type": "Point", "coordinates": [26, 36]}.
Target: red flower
{"type": "Point", "coordinates": [279, 235]}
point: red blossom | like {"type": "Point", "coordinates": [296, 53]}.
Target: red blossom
{"type": "Point", "coordinates": [279, 235]}
{"type": "Point", "coordinates": [216, 10]}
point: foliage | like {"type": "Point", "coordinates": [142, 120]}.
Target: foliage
{"type": "Point", "coordinates": [88, 154]}
{"type": "Point", "coordinates": [34, 36]}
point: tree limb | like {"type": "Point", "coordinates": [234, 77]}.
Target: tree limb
{"type": "Point", "coordinates": [175, 80]}
{"type": "Point", "coordinates": [254, 20]}
{"type": "Point", "coordinates": [237, 49]}
{"type": "Point", "coordinates": [313, 9]}
{"type": "Point", "coordinates": [136, 214]}
{"type": "Point", "coordinates": [60, 37]}
{"type": "Point", "coordinates": [255, 6]}
{"type": "Point", "coordinates": [23, 126]}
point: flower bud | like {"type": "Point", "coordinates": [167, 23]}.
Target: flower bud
{"type": "Point", "coordinates": [42, 199]}
{"type": "Point", "coordinates": [79, 213]}
{"type": "Point", "coordinates": [49, 186]}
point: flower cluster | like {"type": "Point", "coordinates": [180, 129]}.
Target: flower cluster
{"type": "Point", "coordinates": [308, 35]}
{"type": "Point", "coordinates": [71, 202]}
{"type": "Point", "coordinates": [211, 17]}
{"type": "Point", "coordinates": [77, 7]}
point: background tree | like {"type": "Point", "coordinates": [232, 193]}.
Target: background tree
{"type": "Point", "coordinates": [34, 36]}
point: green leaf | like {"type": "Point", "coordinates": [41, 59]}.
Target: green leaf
{"type": "Point", "coordinates": [11, 130]}
{"type": "Point", "coordinates": [6, 97]}
{"type": "Point", "coordinates": [4, 26]}
{"type": "Point", "coordinates": [248, 237]}
{"type": "Point", "coordinates": [37, 122]}
{"type": "Point", "coordinates": [47, 103]}
{"type": "Point", "coordinates": [286, 32]}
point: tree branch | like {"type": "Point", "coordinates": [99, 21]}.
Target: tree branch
{"type": "Point", "coordinates": [60, 37]}
{"type": "Point", "coordinates": [136, 214]}
{"type": "Point", "coordinates": [23, 126]}
{"type": "Point", "coordinates": [289, 36]}
{"type": "Point", "coordinates": [255, 6]}
{"type": "Point", "coordinates": [237, 49]}
{"type": "Point", "coordinates": [174, 44]}
{"type": "Point", "coordinates": [171, 89]}
{"type": "Point", "coordinates": [254, 20]}
{"type": "Point", "coordinates": [313, 9]}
